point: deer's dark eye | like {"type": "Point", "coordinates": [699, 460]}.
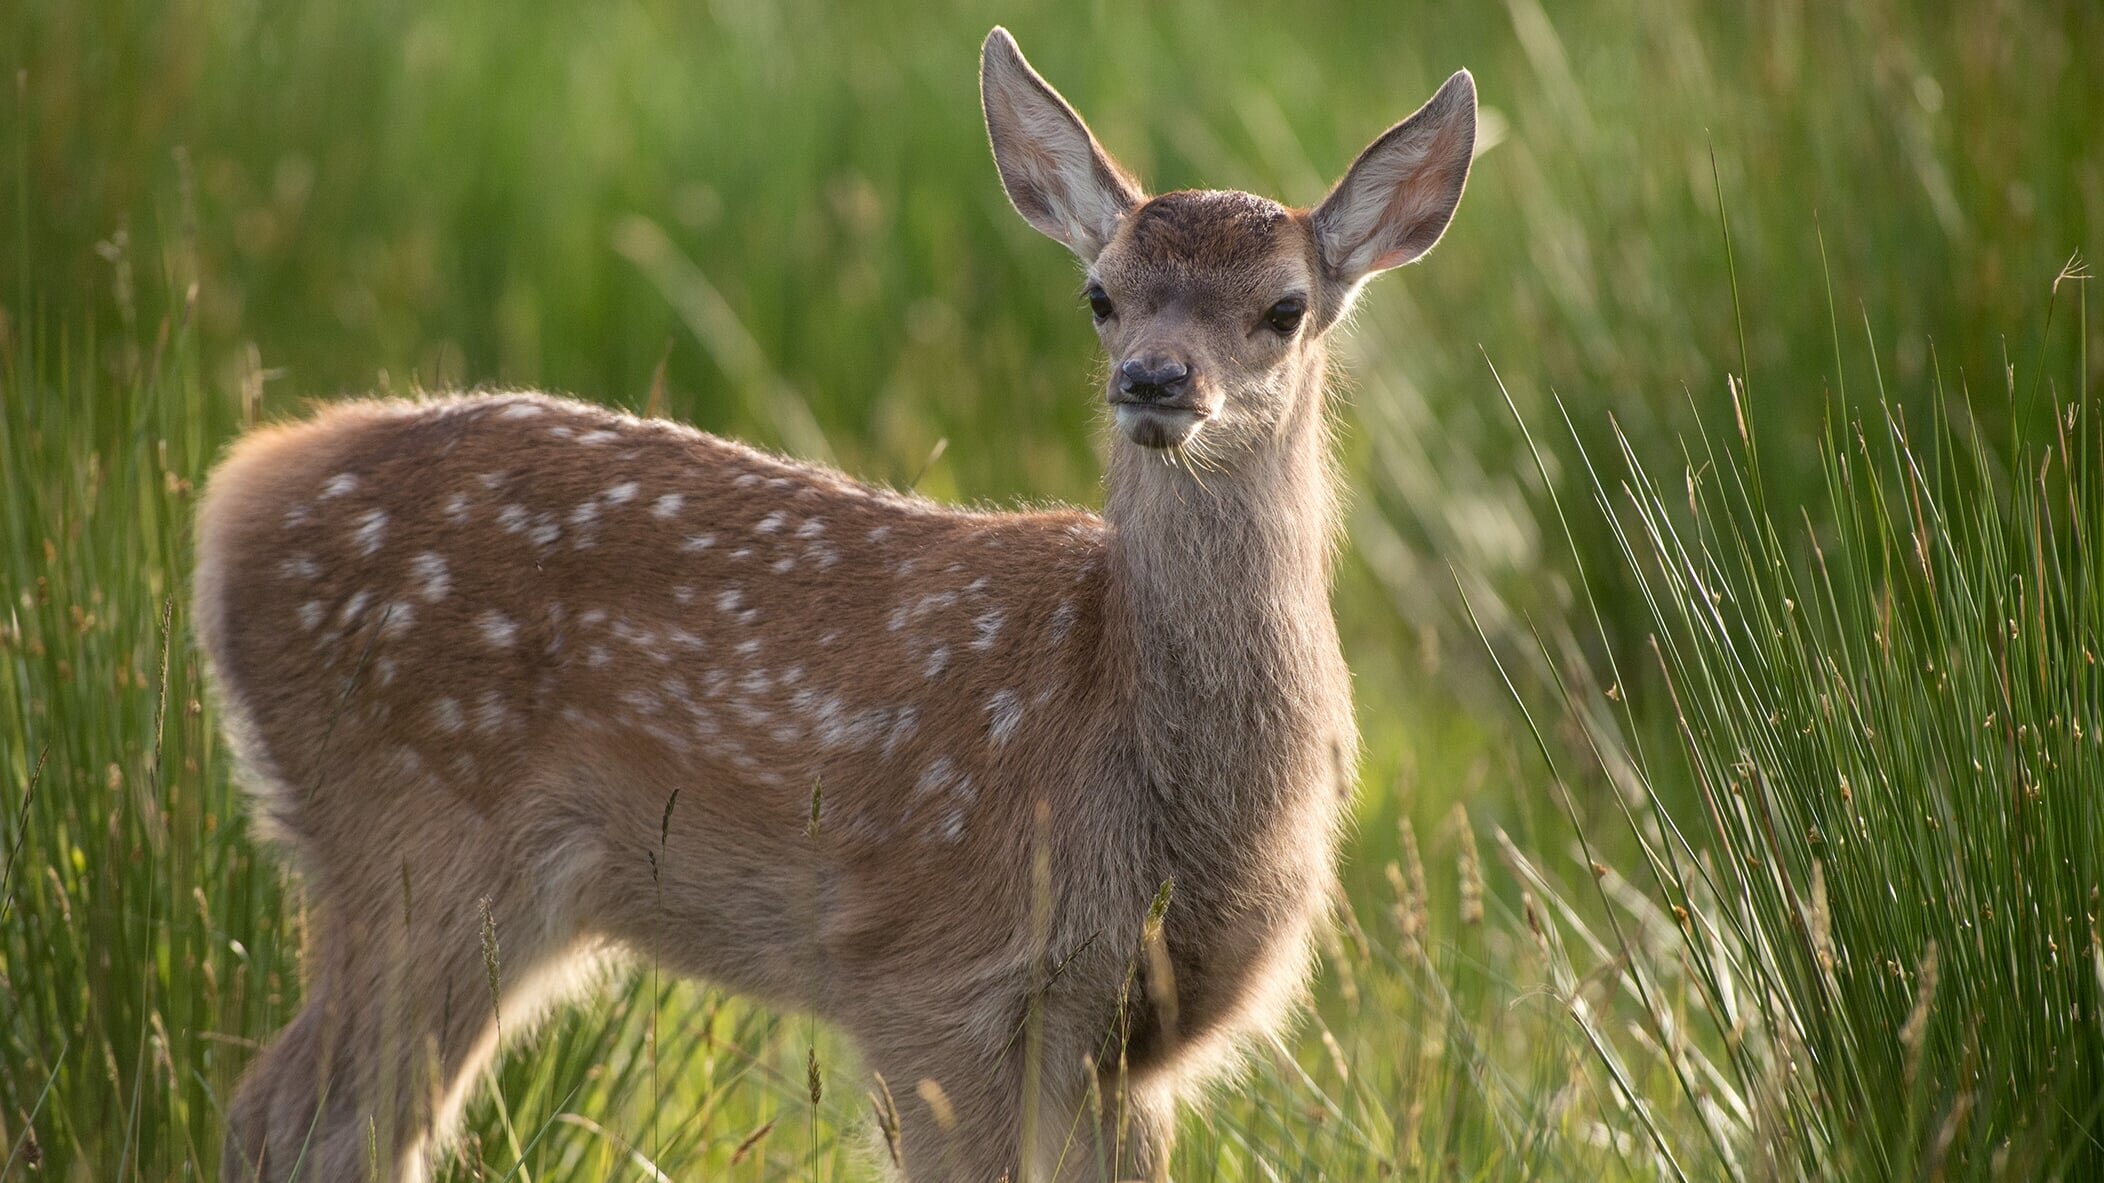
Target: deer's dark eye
{"type": "Point", "coordinates": [1099, 303]}
{"type": "Point", "coordinates": [1284, 316]}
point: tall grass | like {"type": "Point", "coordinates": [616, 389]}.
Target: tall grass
{"type": "Point", "coordinates": [1876, 825]}
{"type": "Point", "coordinates": [147, 947]}
{"type": "Point", "coordinates": [778, 221]}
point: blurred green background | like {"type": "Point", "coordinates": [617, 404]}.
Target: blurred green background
{"type": "Point", "coordinates": [789, 206]}
{"type": "Point", "coordinates": [780, 222]}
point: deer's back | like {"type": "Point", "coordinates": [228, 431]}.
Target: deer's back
{"type": "Point", "coordinates": [458, 596]}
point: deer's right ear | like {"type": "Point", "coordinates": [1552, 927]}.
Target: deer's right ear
{"type": "Point", "coordinates": [1058, 177]}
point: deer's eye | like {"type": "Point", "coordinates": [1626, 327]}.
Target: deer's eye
{"type": "Point", "coordinates": [1284, 316]}
{"type": "Point", "coordinates": [1099, 303]}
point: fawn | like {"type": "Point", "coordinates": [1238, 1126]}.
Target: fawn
{"type": "Point", "coordinates": [1040, 808]}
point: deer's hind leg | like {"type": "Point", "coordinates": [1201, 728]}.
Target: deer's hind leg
{"type": "Point", "coordinates": [420, 963]}
{"type": "Point", "coordinates": [1019, 1096]}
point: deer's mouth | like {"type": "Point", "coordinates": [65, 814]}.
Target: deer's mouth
{"type": "Point", "coordinates": [1158, 424]}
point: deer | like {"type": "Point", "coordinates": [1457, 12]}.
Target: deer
{"type": "Point", "coordinates": [1041, 809]}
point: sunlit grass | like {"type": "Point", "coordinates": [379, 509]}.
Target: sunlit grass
{"type": "Point", "coordinates": [1862, 926]}
{"type": "Point", "coordinates": [149, 946]}
{"type": "Point", "coordinates": [780, 222]}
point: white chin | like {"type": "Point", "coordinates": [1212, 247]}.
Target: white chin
{"type": "Point", "coordinates": [1156, 427]}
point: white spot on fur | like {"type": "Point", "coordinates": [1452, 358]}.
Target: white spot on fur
{"type": "Point", "coordinates": [498, 629]}
{"type": "Point", "coordinates": [561, 431]}
{"type": "Point", "coordinates": [879, 533]}
{"type": "Point", "coordinates": [512, 518]}
{"type": "Point", "coordinates": [904, 722]}
{"type": "Point", "coordinates": [1062, 622]}
{"type": "Point", "coordinates": [938, 661]}
{"type": "Point", "coordinates": [668, 505]}
{"type": "Point", "coordinates": [743, 552]}
{"type": "Point", "coordinates": [297, 516]}
{"type": "Point", "coordinates": [668, 737]}
{"type": "Point", "coordinates": [987, 627]}
{"type": "Point", "coordinates": [445, 713]}
{"type": "Point", "coordinates": [784, 566]}
{"type": "Point", "coordinates": [400, 616]}
{"type": "Point", "coordinates": [371, 531]}
{"type": "Point", "coordinates": [299, 567]}
{"type": "Point", "coordinates": [620, 494]}
{"type": "Point", "coordinates": [491, 714]}
{"type": "Point", "coordinates": [811, 528]}
{"type": "Point", "coordinates": [698, 542]}
{"type": "Point", "coordinates": [385, 669]}
{"type": "Point", "coordinates": [770, 524]}
{"type": "Point", "coordinates": [493, 480]}
{"type": "Point", "coordinates": [354, 607]}
{"type": "Point", "coordinates": [595, 438]}
{"type": "Point", "coordinates": [746, 480]}
{"type": "Point", "coordinates": [934, 602]}
{"type": "Point", "coordinates": [898, 618]}
{"type": "Point", "coordinates": [683, 593]}
{"type": "Point", "coordinates": [935, 777]}
{"type": "Point", "coordinates": [1004, 713]}
{"type": "Point", "coordinates": [756, 716]}
{"type": "Point", "coordinates": [456, 509]}
{"type": "Point", "coordinates": [522, 411]}
{"type": "Point", "coordinates": [641, 638]}
{"type": "Point", "coordinates": [977, 585]}
{"type": "Point", "coordinates": [597, 656]}
{"type": "Point", "coordinates": [342, 484]}
{"type": "Point", "coordinates": [748, 648]}
{"type": "Point", "coordinates": [435, 579]}
{"type": "Point", "coordinates": [311, 614]}
{"type": "Point", "coordinates": [728, 599]}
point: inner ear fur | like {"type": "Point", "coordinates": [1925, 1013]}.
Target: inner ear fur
{"type": "Point", "coordinates": [1056, 174]}
{"type": "Point", "coordinates": [1400, 194]}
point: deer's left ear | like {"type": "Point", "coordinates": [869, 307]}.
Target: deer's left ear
{"type": "Point", "coordinates": [1400, 194]}
{"type": "Point", "coordinates": [1057, 176]}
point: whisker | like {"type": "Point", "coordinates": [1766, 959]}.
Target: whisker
{"type": "Point", "coordinates": [1184, 461]}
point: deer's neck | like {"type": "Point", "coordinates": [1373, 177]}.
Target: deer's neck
{"type": "Point", "coordinates": [1219, 610]}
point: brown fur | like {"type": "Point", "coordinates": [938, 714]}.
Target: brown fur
{"type": "Point", "coordinates": [514, 660]}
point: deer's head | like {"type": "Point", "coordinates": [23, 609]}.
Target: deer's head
{"type": "Point", "coordinates": [1211, 304]}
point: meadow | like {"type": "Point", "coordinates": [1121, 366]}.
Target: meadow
{"type": "Point", "coordinates": [1722, 584]}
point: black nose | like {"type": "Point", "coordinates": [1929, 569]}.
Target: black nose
{"type": "Point", "coordinates": [1153, 378]}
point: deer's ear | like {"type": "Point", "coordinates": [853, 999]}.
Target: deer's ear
{"type": "Point", "coordinates": [1400, 194]}
{"type": "Point", "coordinates": [1058, 177]}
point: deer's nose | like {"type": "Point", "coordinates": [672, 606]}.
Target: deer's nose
{"type": "Point", "coordinates": [1153, 377]}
